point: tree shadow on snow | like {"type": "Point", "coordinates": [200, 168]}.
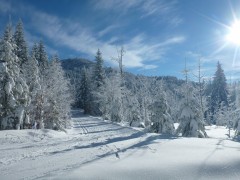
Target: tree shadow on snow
{"type": "Point", "coordinates": [141, 144]}
{"type": "Point", "coordinates": [149, 140]}
{"type": "Point", "coordinates": [107, 130]}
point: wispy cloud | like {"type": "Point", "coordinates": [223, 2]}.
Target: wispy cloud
{"type": "Point", "coordinates": [148, 67]}
{"type": "Point", "coordinates": [209, 64]}
{"type": "Point", "coordinates": [141, 51]}
{"type": "Point", "coordinates": [107, 30]}
{"type": "Point", "coordinates": [163, 9]}
{"type": "Point", "coordinates": [5, 6]}
{"type": "Point", "coordinates": [115, 4]}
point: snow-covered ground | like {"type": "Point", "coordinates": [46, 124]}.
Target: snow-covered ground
{"type": "Point", "coordinates": [97, 149]}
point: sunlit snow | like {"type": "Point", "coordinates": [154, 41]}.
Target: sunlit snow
{"type": "Point", "coordinates": [97, 149]}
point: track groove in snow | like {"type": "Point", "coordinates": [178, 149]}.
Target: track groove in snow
{"type": "Point", "coordinates": [94, 148]}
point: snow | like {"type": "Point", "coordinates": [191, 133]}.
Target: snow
{"type": "Point", "coordinates": [8, 88]}
{"type": "Point", "coordinates": [97, 149]}
{"type": "Point", "coordinates": [220, 132]}
{"type": "Point", "coordinates": [3, 67]}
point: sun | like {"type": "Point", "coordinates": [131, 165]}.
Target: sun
{"type": "Point", "coordinates": [234, 33]}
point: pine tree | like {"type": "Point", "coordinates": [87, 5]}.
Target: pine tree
{"type": "Point", "coordinates": [41, 57]}
{"type": "Point", "coordinates": [99, 74]}
{"type": "Point", "coordinates": [21, 49]}
{"type": "Point", "coordinates": [14, 91]}
{"type": "Point", "coordinates": [34, 52]}
{"type": "Point", "coordinates": [98, 84]}
{"type": "Point", "coordinates": [219, 90]}
{"type": "Point", "coordinates": [85, 92]}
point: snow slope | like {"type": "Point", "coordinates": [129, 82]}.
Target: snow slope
{"type": "Point", "coordinates": [97, 149]}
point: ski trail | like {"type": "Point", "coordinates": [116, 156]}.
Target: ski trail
{"type": "Point", "coordinates": [90, 138]}
{"type": "Point", "coordinates": [43, 154]}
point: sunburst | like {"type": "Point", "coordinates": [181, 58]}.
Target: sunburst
{"type": "Point", "coordinates": [234, 33]}
{"type": "Point", "coordinates": [232, 37]}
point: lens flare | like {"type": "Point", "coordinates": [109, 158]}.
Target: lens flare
{"type": "Point", "coordinates": [234, 33]}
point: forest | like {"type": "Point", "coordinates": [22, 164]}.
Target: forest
{"type": "Point", "coordinates": [40, 91]}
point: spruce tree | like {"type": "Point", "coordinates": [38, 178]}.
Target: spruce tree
{"type": "Point", "coordinates": [85, 92]}
{"type": "Point", "coordinates": [219, 95]}
{"type": "Point", "coordinates": [41, 57]}
{"type": "Point", "coordinates": [14, 90]}
{"type": "Point", "coordinates": [99, 74]}
{"type": "Point", "coordinates": [34, 52]}
{"type": "Point", "coordinates": [21, 49]}
{"type": "Point", "coordinates": [98, 84]}
{"type": "Point", "coordinates": [161, 118]}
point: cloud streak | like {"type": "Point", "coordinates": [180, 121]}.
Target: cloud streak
{"type": "Point", "coordinates": [141, 51]}
{"type": "Point", "coordinates": [5, 6]}
{"type": "Point", "coordinates": [209, 64]}
{"type": "Point", "coordinates": [164, 10]}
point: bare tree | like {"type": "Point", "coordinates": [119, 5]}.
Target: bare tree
{"type": "Point", "coordinates": [200, 78]}
{"type": "Point", "coordinates": [119, 60]}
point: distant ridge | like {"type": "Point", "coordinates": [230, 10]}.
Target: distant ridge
{"type": "Point", "coordinates": [76, 63]}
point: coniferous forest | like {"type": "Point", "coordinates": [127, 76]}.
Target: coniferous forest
{"type": "Point", "coordinates": [34, 89]}
{"type": "Point", "coordinates": [40, 91]}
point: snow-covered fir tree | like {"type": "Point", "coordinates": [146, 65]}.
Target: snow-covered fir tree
{"type": "Point", "coordinates": [32, 89]}
{"type": "Point", "coordinates": [21, 45]}
{"type": "Point", "coordinates": [191, 117]}
{"type": "Point", "coordinates": [39, 53]}
{"type": "Point", "coordinates": [98, 84]}
{"type": "Point", "coordinates": [99, 74]}
{"type": "Point", "coordinates": [219, 93]}
{"type": "Point", "coordinates": [14, 91]}
{"type": "Point", "coordinates": [162, 121]}
{"type": "Point", "coordinates": [41, 56]}
{"type": "Point", "coordinates": [85, 91]}
{"type": "Point", "coordinates": [32, 76]}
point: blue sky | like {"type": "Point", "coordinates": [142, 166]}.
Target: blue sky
{"type": "Point", "coordinates": [157, 35]}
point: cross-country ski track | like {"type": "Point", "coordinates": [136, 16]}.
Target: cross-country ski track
{"type": "Point", "coordinates": [98, 149]}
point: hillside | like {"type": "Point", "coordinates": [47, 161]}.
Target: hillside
{"type": "Point", "coordinates": [76, 63]}
{"type": "Point", "coordinates": [73, 67]}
